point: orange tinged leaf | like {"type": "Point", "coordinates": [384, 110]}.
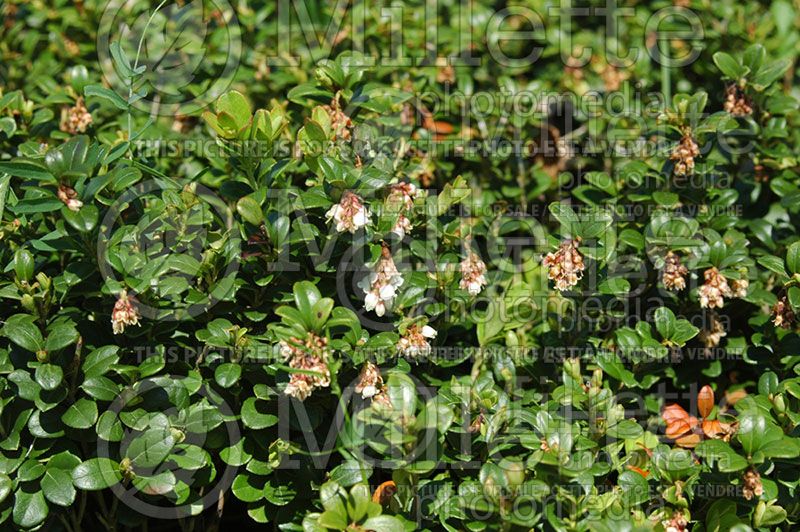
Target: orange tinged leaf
{"type": "Point", "coordinates": [689, 441]}
{"type": "Point", "coordinates": [383, 493]}
{"type": "Point", "coordinates": [713, 429]}
{"type": "Point", "coordinates": [674, 413]}
{"type": "Point", "coordinates": [705, 401]}
{"type": "Point", "coordinates": [439, 127]}
{"type": "Point", "coordinates": [642, 472]}
{"type": "Point", "coordinates": [677, 429]}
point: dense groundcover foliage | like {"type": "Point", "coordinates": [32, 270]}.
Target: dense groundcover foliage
{"type": "Point", "coordinates": [399, 266]}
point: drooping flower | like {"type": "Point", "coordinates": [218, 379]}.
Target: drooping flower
{"type": "Point", "coordinates": [370, 381]}
{"type": "Point", "coordinates": [712, 336]}
{"type": "Point", "coordinates": [340, 122]}
{"type": "Point", "coordinates": [714, 289]}
{"type": "Point", "coordinates": [401, 201]}
{"type": "Point", "coordinates": [674, 273]}
{"type": "Point", "coordinates": [380, 286]}
{"type": "Point", "coordinates": [473, 274]}
{"type": "Point", "coordinates": [684, 154]}
{"type": "Point", "coordinates": [752, 487]}
{"type": "Point", "coordinates": [310, 356]}
{"type": "Point", "coordinates": [739, 287]}
{"type": "Point", "coordinates": [565, 266]}
{"type": "Point", "coordinates": [75, 119]}
{"type": "Point", "coordinates": [736, 102]}
{"type": "Point", "coordinates": [125, 313]}
{"type": "Point", "coordinates": [414, 343]}
{"type": "Point", "coordinates": [782, 314]}
{"type": "Point", "coordinates": [678, 523]}
{"type": "Point", "coordinates": [350, 214]}
{"type": "Point", "coordinates": [69, 197]}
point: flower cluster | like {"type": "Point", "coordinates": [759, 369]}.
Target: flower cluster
{"type": "Point", "coordinates": [370, 381]}
{"type": "Point", "coordinates": [310, 357]}
{"type": "Point", "coordinates": [715, 332]}
{"type": "Point", "coordinates": [75, 119]}
{"type": "Point", "coordinates": [674, 273]}
{"type": "Point", "coordinates": [714, 289]}
{"type": "Point", "coordinates": [401, 201]}
{"type": "Point", "coordinates": [684, 154]}
{"type": "Point", "coordinates": [350, 214]}
{"type": "Point", "coordinates": [380, 286]}
{"type": "Point", "coordinates": [69, 197]}
{"type": "Point", "coordinates": [565, 266]}
{"type": "Point", "coordinates": [678, 523]}
{"type": "Point", "coordinates": [782, 314]}
{"type": "Point", "coordinates": [125, 313]}
{"type": "Point", "coordinates": [739, 287]}
{"type": "Point", "coordinates": [341, 123]}
{"type": "Point", "coordinates": [752, 487]}
{"type": "Point", "coordinates": [736, 103]}
{"type": "Point", "coordinates": [473, 274]}
{"type": "Point", "coordinates": [414, 343]}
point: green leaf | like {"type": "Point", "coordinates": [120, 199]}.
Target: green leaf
{"type": "Point", "coordinates": [769, 73]}
{"type": "Point", "coordinates": [247, 488]}
{"type": "Point", "coordinates": [720, 453]}
{"type": "Point", "coordinates": [61, 336]}
{"type": "Point", "coordinates": [81, 415]}
{"type": "Point", "coordinates": [101, 388]}
{"type": "Point", "coordinates": [384, 523]}
{"type": "Point", "coordinates": [772, 263]}
{"type": "Point", "coordinates": [6, 486]}
{"type": "Point", "coordinates": [306, 295]}
{"type": "Point", "coordinates": [22, 330]}
{"type": "Point", "coordinates": [635, 489]}
{"type": "Point", "coordinates": [99, 361]}
{"type": "Point", "coordinates": [254, 418]}
{"type": "Point", "coordinates": [106, 94]}
{"type": "Point", "coordinates": [684, 331]}
{"type": "Point", "coordinates": [151, 448]}
{"type": "Point", "coordinates": [49, 376]}
{"type": "Point", "coordinates": [26, 170]}
{"type": "Point", "coordinates": [96, 474]}
{"type": "Point", "coordinates": [30, 508]}
{"type": "Point", "coordinates": [159, 484]}
{"type": "Point", "coordinates": [566, 217]}
{"type": "Point", "coordinates": [793, 257]}
{"type": "Point", "coordinates": [665, 322]}
{"type": "Point", "coordinates": [250, 210]}
{"type": "Point", "coordinates": [728, 65]}
{"type": "Point", "coordinates": [57, 486]}
{"type": "Point", "coordinates": [227, 374]}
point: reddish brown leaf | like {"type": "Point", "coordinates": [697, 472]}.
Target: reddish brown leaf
{"type": "Point", "coordinates": [383, 493]}
{"type": "Point", "coordinates": [674, 413]}
{"type": "Point", "coordinates": [705, 401]}
{"type": "Point", "coordinates": [713, 429]}
{"type": "Point", "coordinates": [677, 429]}
{"type": "Point", "coordinates": [642, 472]}
{"type": "Point", "coordinates": [689, 441]}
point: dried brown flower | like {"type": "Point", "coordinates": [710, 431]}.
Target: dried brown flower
{"type": "Point", "coordinates": [782, 314]}
{"type": "Point", "coordinates": [565, 265]}
{"type": "Point", "coordinates": [75, 119]}
{"type": "Point", "coordinates": [674, 273]}
{"type": "Point", "coordinates": [309, 355]}
{"type": "Point", "coordinates": [69, 197]}
{"type": "Point", "coordinates": [473, 274]}
{"type": "Point", "coordinates": [125, 313]}
{"type": "Point", "coordinates": [736, 102]}
{"type": "Point", "coordinates": [714, 289]}
{"type": "Point", "coordinates": [370, 381]}
{"type": "Point", "coordinates": [752, 486]}
{"type": "Point", "coordinates": [684, 154]}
